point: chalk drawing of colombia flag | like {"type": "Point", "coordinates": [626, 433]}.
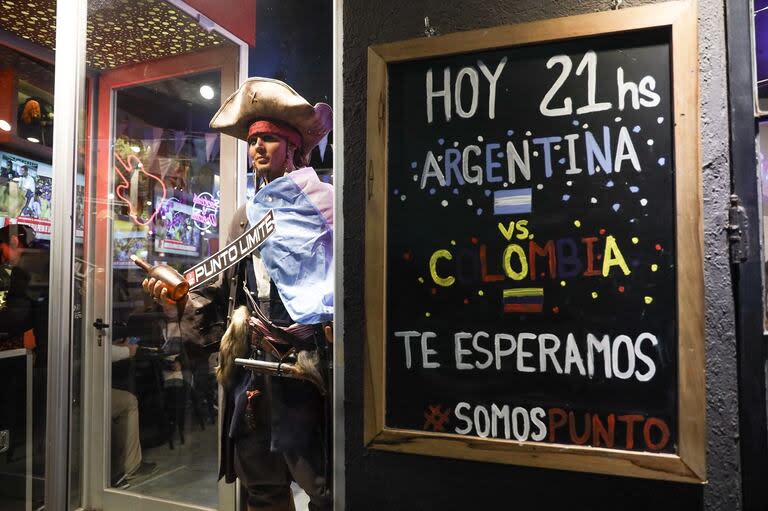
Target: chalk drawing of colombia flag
{"type": "Point", "coordinates": [299, 254]}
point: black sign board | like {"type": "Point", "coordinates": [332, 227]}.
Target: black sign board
{"type": "Point", "coordinates": [531, 258]}
{"type": "Point", "coordinates": [532, 265]}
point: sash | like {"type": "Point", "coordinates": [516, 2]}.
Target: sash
{"type": "Point", "coordinates": [228, 256]}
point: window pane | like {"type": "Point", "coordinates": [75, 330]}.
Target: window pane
{"type": "Point", "coordinates": [27, 34]}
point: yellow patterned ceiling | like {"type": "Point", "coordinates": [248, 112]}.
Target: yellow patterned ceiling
{"type": "Point", "coordinates": [119, 31]}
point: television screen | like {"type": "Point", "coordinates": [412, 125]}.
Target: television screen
{"type": "Point", "coordinates": [175, 229]}
{"type": "Point", "coordinates": [25, 193]}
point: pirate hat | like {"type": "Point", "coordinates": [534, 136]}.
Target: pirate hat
{"type": "Point", "coordinates": [260, 99]}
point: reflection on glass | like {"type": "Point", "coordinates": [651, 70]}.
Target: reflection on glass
{"type": "Point", "coordinates": [26, 125]}
{"type": "Point", "coordinates": [166, 211]}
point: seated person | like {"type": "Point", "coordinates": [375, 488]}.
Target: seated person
{"type": "Point", "coordinates": [126, 447]}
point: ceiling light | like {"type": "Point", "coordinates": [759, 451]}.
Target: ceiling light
{"type": "Point", "coordinates": [206, 91]}
{"type": "Point", "coordinates": [4, 125]}
{"type": "Point", "coordinates": [33, 139]}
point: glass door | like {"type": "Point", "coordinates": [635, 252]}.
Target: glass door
{"type": "Point", "coordinates": [157, 183]}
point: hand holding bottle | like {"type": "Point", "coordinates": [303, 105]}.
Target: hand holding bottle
{"type": "Point", "coordinates": [164, 284]}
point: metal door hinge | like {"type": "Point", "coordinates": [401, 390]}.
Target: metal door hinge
{"type": "Point", "coordinates": [738, 230]}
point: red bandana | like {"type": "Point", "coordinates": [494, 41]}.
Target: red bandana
{"type": "Point", "coordinates": [281, 130]}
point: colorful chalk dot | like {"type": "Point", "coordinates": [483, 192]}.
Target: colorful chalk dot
{"type": "Point", "coordinates": [635, 239]}
{"type": "Point", "coordinates": [662, 161]}
{"type": "Point", "coordinates": [453, 242]}
{"type": "Point", "coordinates": [659, 120]}
{"type": "Point", "coordinates": [434, 291]}
{"type": "Point", "coordinates": [618, 119]}
{"type": "Point", "coordinates": [609, 184]}
{"type": "Point", "coordinates": [593, 200]}
{"type": "Point", "coordinates": [469, 202]}
{"type": "Point", "coordinates": [654, 267]}
{"type": "Point", "coordinates": [566, 197]}
{"type": "Point", "coordinates": [594, 294]}
{"type": "Point", "coordinates": [455, 144]}
{"type": "Point", "coordinates": [658, 246]}
{"type": "Point", "coordinates": [441, 141]}
{"type": "Point", "coordinates": [527, 133]}
{"type": "Point", "coordinates": [539, 186]}
{"type": "Point", "coordinates": [479, 211]}
{"type": "Point", "coordinates": [562, 283]}
{"type": "Point", "coordinates": [535, 153]}
{"type": "Point", "coordinates": [530, 236]}
{"type": "Point", "coordinates": [555, 309]}
{"type": "Point", "coordinates": [648, 299]}
{"type": "Point", "coordinates": [402, 197]}
{"type": "Point", "coordinates": [561, 161]}
{"type": "Point", "coordinates": [569, 183]}
{"type": "Point", "coordinates": [650, 141]}
{"type": "Point", "coordinates": [500, 155]}
{"type": "Point", "coordinates": [414, 164]}
{"type": "Point", "coordinates": [577, 223]}
{"type": "Point", "coordinates": [466, 301]}
{"type": "Point", "coordinates": [597, 168]}
{"type": "Point", "coordinates": [474, 240]}
{"type": "Point", "coordinates": [444, 203]}
{"type": "Point", "coordinates": [634, 189]}
{"type": "Point", "coordinates": [643, 202]}
{"type": "Point", "coordinates": [407, 256]}
{"type": "Point", "coordinates": [427, 314]}
{"type": "Point", "coordinates": [510, 133]}
{"type": "Point", "coordinates": [432, 191]}
{"type": "Point", "coordinates": [440, 158]}
{"type": "Point", "coordinates": [557, 147]}
{"type": "Point", "coordinates": [599, 256]}
{"type": "Point", "coordinates": [601, 231]}
{"type": "Point", "coordinates": [415, 177]}
{"type": "Point", "coordinates": [455, 191]}
{"type": "Point", "coordinates": [479, 138]}
{"type": "Point", "coordinates": [506, 184]}
{"type": "Point", "coordinates": [616, 206]}
{"type": "Point", "coordinates": [575, 122]}
{"type": "Point", "coordinates": [396, 191]}
{"type": "Point", "coordinates": [636, 129]}
{"type": "Point", "coordinates": [585, 125]}
{"type": "Point", "coordinates": [421, 280]}
{"type": "Point", "coordinates": [621, 289]}
{"type": "Point", "coordinates": [543, 274]}
{"type": "Point", "coordinates": [487, 193]}
{"type": "Point", "coordinates": [481, 293]}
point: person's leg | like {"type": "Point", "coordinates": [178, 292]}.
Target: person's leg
{"type": "Point", "coordinates": [309, 474]}
{"type": "Point", "coordinates": [125, 430]}
{"type": "Point", "coordinates": [262, 473]}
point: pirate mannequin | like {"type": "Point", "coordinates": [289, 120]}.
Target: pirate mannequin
{"type": "Point", "coordinates": [275, 430]}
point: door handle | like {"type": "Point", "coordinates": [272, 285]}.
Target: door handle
{"type": "Point", "coordinates": [100, 326]}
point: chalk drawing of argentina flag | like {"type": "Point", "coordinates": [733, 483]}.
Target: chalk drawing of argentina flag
{"type": "Point", "coordinates": [299, 255]}
{"type": "Point", "coordinates": [512, 202]}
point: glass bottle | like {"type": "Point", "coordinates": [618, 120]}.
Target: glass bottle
{"type": "Point", "coordinates": [172, 280]}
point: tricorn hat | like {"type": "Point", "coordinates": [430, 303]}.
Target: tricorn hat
{"type": "Point", "coordinates": [267, 99]}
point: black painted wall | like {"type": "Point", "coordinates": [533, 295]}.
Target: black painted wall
{"type": "Point", "coordinates": [384, 481]}
{"type": "Point", "coordinates": [294, 43]}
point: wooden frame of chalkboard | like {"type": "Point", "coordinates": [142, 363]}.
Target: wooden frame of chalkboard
{"type": "Point", "coordinates": [685, 457]}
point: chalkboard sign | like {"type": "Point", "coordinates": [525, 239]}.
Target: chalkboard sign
{"type": "Point", "coordinates": [534, 245]}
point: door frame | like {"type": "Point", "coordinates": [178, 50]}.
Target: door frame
{"type": "Point", "coordinates": [62, 491]}
{"type": "Point", "coordinates": [750, 327]}
{"type": "Point", "coordinates": [97, 452]}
